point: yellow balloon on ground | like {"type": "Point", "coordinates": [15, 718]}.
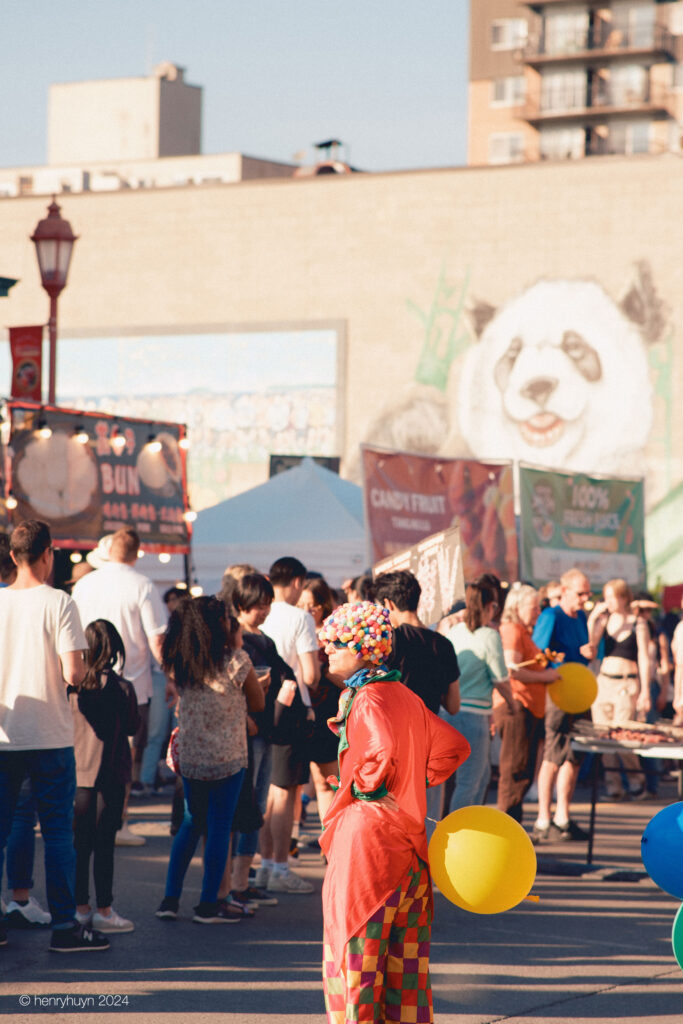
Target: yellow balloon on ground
{"type": "Point", "coordinates": [482, 860]}
{"type": "Point", "coordinates": [575, 690]}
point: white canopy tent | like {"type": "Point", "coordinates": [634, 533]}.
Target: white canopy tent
{"type": "Point", "coordinates": [308, 512]}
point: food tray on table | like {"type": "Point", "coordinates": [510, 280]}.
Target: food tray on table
{"type": "Point", "coordinates": [633, 735]}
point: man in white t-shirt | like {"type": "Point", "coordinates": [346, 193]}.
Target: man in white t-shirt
{"type": "Point", "coordinates": [129, 600]}
{"type": "Point", "coordinates": [41, 645]}
{"type": "Point", "coordinates": [294, 635]}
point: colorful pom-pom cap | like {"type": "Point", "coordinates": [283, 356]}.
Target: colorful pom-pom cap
{"type": "Point", "coordinates": [363, 627]}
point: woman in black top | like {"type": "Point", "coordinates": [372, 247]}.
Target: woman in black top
{"type": "Point", "coordinates": [623, 680]}
{"type": "Point", "coordinates": [270, 730]}
{"type": "Point", "coordinates": [317, 599]}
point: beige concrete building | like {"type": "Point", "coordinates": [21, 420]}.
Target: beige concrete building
{"type": "Point", "coordinates": [561, 79]}
{"type": "Point", "coordinates": [130, 133]}
{"type": "Point", "coordinates": [130, 118]}
{"type": "Point", "coordinates": [308, 316]}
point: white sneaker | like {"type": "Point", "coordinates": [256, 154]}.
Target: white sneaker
{"type": "Point", "coordinates": [84, 919]}
{"type": "Point", "coordinates": [111, 923]}
{"type": "Point", "coordinates": [31, 915]}
{"type": "Point", "coordinates": [124, 837]}
{"type": "Point", "coordinates": [288, 881]}
{"type": "Point", "coordinates": [261, 878]}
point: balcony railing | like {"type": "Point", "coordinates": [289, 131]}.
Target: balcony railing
{"type": "Point", "coordinates": [599, 100]}
{"type": "Point", "coordinates": [617, 147]}
{"type": "Point", "coordinates": [603, 39]}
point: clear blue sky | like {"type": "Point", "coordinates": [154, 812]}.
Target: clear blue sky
{"type": "Point", "coordinates": [388, 77]}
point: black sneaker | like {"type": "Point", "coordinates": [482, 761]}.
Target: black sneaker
{"type": "Point", "coordinates": [214, 913]}
{"type": "Point", "coordinates": [78, 939]}
{"type": "Point", "coordinates": [540, 835]}
{"type": "Point", "coordinates": [168, 909]}
{"type": "Point", "coordinates": [252, 894]}
{"type": "Point", "coordinates": [569, 832]}
{"type": "Point", "coordinates": [3, 937]}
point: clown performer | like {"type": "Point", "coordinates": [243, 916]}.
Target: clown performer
{"type": "Point", "coordinates": [377, 895]}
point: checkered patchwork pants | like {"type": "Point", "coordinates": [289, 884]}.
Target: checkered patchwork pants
{"type": "Point", "coordinates": [384, 975]}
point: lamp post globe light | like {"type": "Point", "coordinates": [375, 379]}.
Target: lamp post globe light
{"type": "Point", "coordinates": [54, 242]}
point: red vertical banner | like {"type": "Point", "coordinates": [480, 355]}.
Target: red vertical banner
{"type": "Point", "coordinates": [26, 344]}
{"type": "Point", "coordinates": [409, 497]}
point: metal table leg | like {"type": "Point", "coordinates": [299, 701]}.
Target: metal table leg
{"type": "Point", "coordinates": [595, 773]}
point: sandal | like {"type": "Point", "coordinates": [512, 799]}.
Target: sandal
{"type": "Point", "coordinates": [233, 908]}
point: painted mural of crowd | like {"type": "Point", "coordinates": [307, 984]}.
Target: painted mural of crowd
{"type": "Point", "coordinates": [239, 429]}
{"type": "Point", "coordinates": [280, 694]}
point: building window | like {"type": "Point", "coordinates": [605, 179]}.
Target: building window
{"type": "Point", "coordinates": [508, 92]}
{"type": "Point", "coordinates": [562, 143]}
{"type": "Point", "coordinates": [563, 90]}
{"type": "Point", "coordinates": [508, 33]}
{"type": "Point", "coordinates": [628, 137]}
{"type": "Point", "coordinates": [635, 23]}
{"type": "Point", "coordinates": [506, 148]}
{"type": "Point", "coordinates": [628, 83]}
{"type": "Point", "coordinates": [565, 31]}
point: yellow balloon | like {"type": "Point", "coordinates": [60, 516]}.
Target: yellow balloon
{"type": "Point", "coordinates": [482, 860]}
{"type": "Point", "coordinates": [575, 690]}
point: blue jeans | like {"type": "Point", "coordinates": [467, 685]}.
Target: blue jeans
{"type": "Point", "coordinates": [472, 778]}
{"type": "Point", "coordinates": [209, 807]}
{"type": "Point", "coordinates": [158, 729]}
{"type": "Point", "coordinates": [21, 842]}
{"type": "Point", "coordinates": [52, 774]}
{"type": "Point", "coordinates": [246, 843]}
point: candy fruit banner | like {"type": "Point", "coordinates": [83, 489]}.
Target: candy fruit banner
{"type": "Point", "coordinates": [482, 860]}
{"type": "Point", "coordinates": [88, 474]}
{"type": "Point", "coordinates": [575, 690]}
{"type": "Point", "coordinates": [569, 520]}
{"type": "Point", "coordinates": [409, 497]}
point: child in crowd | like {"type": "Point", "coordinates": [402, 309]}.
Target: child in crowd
{"type": "Point", "coordinates": [377, 895]}
{"type": "Point", "coordinates": [105, 714]}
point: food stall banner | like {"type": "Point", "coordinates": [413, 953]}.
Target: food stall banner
{"type": "Point", "coordinates": [570, 520]}
{"type": "Point", "coordinates": [26, 345]}
{"type": "Point", "coordinates": [88, 474]}
{"type": "Point", "coordinates": [408, 497]}
{"type": "Point", "coordinates": [438, 565]}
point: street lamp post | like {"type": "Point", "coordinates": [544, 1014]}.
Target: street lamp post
{"type": "Point", "coordinates": [54, 242]}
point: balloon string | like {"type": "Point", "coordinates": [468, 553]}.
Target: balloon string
{"type": "Point", "coordinates": [427, 818]}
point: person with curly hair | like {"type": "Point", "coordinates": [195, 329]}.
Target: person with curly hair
{"type": "Point", "coordinates": [215, 679]}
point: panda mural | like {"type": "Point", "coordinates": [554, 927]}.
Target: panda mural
{"type": "Point", "coordinates": [558, 377]}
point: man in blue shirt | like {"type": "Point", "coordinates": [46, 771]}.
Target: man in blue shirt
{"type": "Point", "coordinates": [562, 628]}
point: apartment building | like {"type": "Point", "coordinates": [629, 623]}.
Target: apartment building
{"type": "Point", "coordinates": [561, 79]}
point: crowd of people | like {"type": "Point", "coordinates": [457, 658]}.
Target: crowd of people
{"type": "Point", "coordinates": [281, 690]}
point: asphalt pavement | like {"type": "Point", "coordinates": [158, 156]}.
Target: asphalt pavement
{"type": "Point", "coordinates": [595, 948]}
